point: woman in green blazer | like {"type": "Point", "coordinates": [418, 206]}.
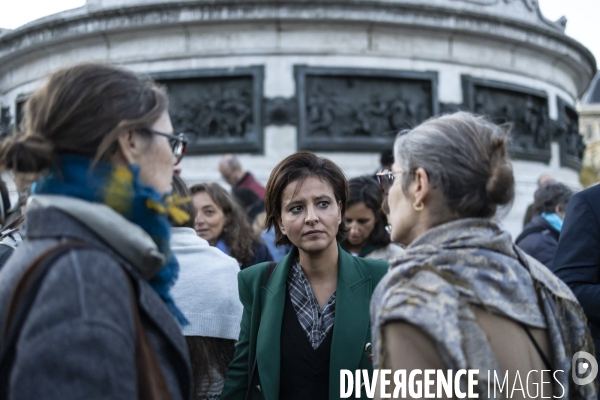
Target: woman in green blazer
{"type": "Point", "coordinates": [311, 318]}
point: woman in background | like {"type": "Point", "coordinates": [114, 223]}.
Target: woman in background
{"type": "Point", "coordinates": [367, 236]}
{"type": "Point", "coordinates": [223, 224]}
{"type": "Point", "coordinates": [204, 293]}
{"type": "Point", "coordinates": [539, 239]}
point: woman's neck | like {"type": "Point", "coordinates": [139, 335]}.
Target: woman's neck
{"type": "Point", "coordinates": [213, 242]}
{"type": "Point", "coordinates": [320, 266]}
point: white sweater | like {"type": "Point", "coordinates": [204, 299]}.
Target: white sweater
{"type": "Point", "coordinates": [206, 290]}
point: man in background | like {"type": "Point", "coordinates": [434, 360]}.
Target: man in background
{"type": "Point", "coordinates": [386, 159]}
{"type": "Point", "coordinates": [232, 172]}
{"type": "Point", "coordinates": [544, 179]}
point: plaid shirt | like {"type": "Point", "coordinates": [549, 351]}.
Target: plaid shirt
{"type": "Point", "coordinates": [315, 321]}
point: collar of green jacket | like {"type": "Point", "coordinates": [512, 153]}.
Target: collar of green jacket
{"type": "Point", "coordinates": [357, 279]}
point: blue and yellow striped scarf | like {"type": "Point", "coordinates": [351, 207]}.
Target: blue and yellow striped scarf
{"type": "Point", "coordinates": [119, 187]}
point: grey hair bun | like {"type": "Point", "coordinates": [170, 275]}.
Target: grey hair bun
{"type": "Point", "coordinates": [500, 184]}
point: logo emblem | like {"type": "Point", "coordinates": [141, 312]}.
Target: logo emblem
{"type": "Point", "coordinates": [583, 364]}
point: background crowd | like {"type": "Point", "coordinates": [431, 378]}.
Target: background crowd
{"type": "Point", "coordinates": [144, 287]}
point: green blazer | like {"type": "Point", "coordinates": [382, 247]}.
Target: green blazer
{"type": "Point", "coordinates": [263, 314]}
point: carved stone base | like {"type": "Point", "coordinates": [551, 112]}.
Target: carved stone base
{"type": "Point", "coordinates": [524, 108]}
{"type": "Point", "coordinates": [220, 110]}
{"type": "Point", "coordinates": [343, 109]}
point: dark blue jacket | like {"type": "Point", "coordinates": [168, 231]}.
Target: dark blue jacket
{"type": "Point", "coordinates": [261, 254]}
{"type": "Point", "coordinates": [577, 259]}
{"type": "Point", "coordinates": [540, 240]}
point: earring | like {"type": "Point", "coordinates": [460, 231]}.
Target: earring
{"type": "Point", "coordinates": [419, 207]}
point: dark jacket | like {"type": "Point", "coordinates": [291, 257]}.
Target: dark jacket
{"type": "Point", "coordinates": [539, 239]}
{"type": "Point", "coordinates": [577, 259]}
{"type": "Point", "coordinates": [5, 252]}
{"type": "Point", "coordinates": [249, 182]}
{"type": "Point", "coordinates": [263, 314]}
{"type": "Point", "coordinates": [528, 215]}
{"type": "Point", "coordinates": [261, 254]}
{"type": "Point", "coordinates": [10, 238]}
{"type": "Point", "coordinates": [79, 338]}
{"type": "Point", "coordinates": [260, 249]}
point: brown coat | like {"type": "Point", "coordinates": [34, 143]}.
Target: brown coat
{"type": "Point", "coordinates": [407, 347]}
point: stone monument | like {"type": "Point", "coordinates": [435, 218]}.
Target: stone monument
{"type": "Point", "coordinates": [267, 78]}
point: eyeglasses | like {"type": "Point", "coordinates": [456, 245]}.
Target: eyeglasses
{"type": "Point", "coordinates": [177, 142]}
{"type": "Point", "coordinates": [385, 177]}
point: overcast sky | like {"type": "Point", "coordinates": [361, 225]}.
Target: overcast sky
{"type": "Point", "coordinates": [583, 15]}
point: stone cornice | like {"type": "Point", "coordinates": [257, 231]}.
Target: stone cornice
{"type": "Point", "coordinates": [86, 22]}
{"type": "Point", "coordinates": [589, 110]}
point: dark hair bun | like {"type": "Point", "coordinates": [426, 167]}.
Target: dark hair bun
{"type": "Point", "coordinates": [80, 110]}
{"type": "Point", "coordinates": [29, 154]}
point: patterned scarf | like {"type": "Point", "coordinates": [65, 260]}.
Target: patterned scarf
{"type": "Point", "coordinates": [119, 187]}
{"type": "Point", "coordinates": [472, 261]}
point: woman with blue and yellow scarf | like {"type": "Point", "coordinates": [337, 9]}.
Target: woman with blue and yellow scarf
{"type": "Point", "coordinates": [99, 143]}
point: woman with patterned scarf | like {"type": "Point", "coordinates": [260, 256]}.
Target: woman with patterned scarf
{"type": "Point", "coordinates": [98, 142]}
{"type": "Point", "coordinates": [463, 296]}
